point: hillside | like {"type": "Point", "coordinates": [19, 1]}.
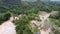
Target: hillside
{"type": "Point", "coordinates": [31, 17]}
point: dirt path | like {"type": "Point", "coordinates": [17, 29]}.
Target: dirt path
{"type": "Point", "coordinates": [8, 27]}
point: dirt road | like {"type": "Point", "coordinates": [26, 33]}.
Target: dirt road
{"type": "Point", "coordinates": [8, 27]}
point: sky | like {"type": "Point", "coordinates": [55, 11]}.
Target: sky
{"type": "Point", "coordinates": [55, 0]}
{"type": "Point", "coordinates": [29, 0]}
{"type": "Point", "coordinates": [35, 0]}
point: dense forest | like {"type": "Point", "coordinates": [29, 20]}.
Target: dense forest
{"type": "Point", "coordinates": [30, 9]}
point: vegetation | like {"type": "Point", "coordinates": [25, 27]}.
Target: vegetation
{"type": "Point", "coordinates": [30, 10]}
{"type": "Point", "coordinates": [4, 17]}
